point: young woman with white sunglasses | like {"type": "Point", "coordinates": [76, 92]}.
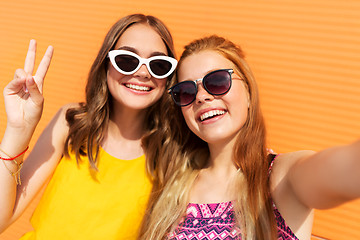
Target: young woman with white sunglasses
{"type": "Point", "coordinates": [92, 152]}
{"type": "Point", "coordinates": [227, 185]}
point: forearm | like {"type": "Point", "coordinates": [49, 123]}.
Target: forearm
{"type": "Point", "coordinates": [9, 179]}
{"type": "Point", "coordinates": [350, 179]}
{"type": "Point", "coordinates": [328, 178]}
{"type": "Point", "coordinates": [341, 171]}
{"type": "Point", "coordinates": [15, 140]}
{"type": "Point", "coordinates": [7, 198]}
{"type": "Point", "coordinates": [12, 149]}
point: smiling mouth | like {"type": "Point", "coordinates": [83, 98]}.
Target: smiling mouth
{"type": "Point", "coordinates": [211, 114]}
{"type": "Point", "coordinates": [137, 87]}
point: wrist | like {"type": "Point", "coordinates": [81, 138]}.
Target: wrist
{"type": "Point", "coordinates": [15, 141]}
{"type": "Point", "coordinates": [9, 157]}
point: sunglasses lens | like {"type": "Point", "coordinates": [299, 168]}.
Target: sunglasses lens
{"type": "Point", "coordinates": [126, 63]}
{"type": "Point", "coordinates": [160, 67]}
{"type": "Point", "coordinates": [218, 82]}
{"type": "Point", "coordinates": [184, 93]}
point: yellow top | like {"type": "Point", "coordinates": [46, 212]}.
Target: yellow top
{"type": "Point", "coordinates": [80, 203]}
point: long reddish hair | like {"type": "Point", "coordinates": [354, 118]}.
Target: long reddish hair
{"type": "Point", "coordinates": [253, 207]}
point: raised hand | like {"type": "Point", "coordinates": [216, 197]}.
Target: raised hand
{"type": "Point", "coordinates": [23, 95]}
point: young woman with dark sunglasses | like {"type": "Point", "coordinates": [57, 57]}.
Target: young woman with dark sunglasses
{"type": "Point", "coordinates": [227, 185]}
{"type": "Point", "coordinates": [92, 152]}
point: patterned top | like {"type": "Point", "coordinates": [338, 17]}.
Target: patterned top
{"type": "Point", "coordinates": [215, 221]}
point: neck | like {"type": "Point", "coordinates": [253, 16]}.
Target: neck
{"type": "Point", "coordinates": [124, 132]}
{"type": "Point", "coordinates": [127, 124]}
{"type": "Point", "coordinates": [221, 156]}
{"type": "Point", "coordinates": [215, 183]}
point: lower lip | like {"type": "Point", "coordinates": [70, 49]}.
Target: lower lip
{"type": "Point", "coordinates": [213, 119]}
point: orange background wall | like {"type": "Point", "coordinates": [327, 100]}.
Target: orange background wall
{"type": "Point", "coordinates": [304, 53]}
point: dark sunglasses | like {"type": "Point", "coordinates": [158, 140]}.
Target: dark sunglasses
{"type": "Point", "coordinates": [127, 63]}
{"type": "Point", "coordinates": [217, 82]}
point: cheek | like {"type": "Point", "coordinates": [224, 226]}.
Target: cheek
{"type": "Point", "coordinates": [161, 83]}
{"type": "Point", "coordinates": [186, 114]}
{"type": "Point", "coordinates": [111, 70]}
{"type": "Point", "coordinates": [238, 102]}
{"type": "Point", "coordinates": [113, 75]}
{"type": "Point", "coordinates": [160, 87]}
{"type": "Point", "coordinates": [242, 112]}
{"type": "Point", "coordinates": [239, 94]}
{"type": "Point", "coordinates": [189, 117]}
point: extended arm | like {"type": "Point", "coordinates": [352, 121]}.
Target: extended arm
{"type": "Point", "coordinates": [328, 178]}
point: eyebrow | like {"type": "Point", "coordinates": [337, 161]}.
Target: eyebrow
{"type": "Point", "coordinates": [134, 50]}
{"type": "Point", "coordinates": [198, 79]}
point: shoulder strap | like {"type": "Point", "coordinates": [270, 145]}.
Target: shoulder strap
{"type": "Point", "coordinates": [271, 158]}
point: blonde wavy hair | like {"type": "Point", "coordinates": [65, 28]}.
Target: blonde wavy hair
{"type": "Point", "coordinates": [253, 206]}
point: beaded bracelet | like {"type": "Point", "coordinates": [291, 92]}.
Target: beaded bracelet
{"type": "Point", "coordinates": [12, 158]}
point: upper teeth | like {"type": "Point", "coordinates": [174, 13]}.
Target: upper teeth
{"type": "Point", "coordinates": [137, 87]}
{"type": "Point", "coordinates": [211, 114]}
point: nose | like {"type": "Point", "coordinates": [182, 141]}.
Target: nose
{"type": "Point", "coordinates": [143, 72]}
{"type": "Point", "coordinates": [202, 95]}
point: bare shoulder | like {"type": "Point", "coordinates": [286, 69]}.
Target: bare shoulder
{"type": "Point", "coordinates": [63, 110]}
{"type": "Point", "coordinates": [285, 161]}
{"type": "Point", "coordinates": [58, 126]}
{"type": "Point", "coordinates": [61, 113]}
{"type": "Point", "coordinates": [282, 167]}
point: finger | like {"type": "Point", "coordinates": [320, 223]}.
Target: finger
{"type": "Point", "coordinates": [43, 67]}
{"type": "Point", "coordinates": [20, 73]}
{"type": "Point", "coordinates": [30, 57]}
{"type": "Point", "coordinates": [19, 80]}
{"type": "Point", "coordinates": [33, 90]}
{"type": "Point", "coordinates": [17, 83]}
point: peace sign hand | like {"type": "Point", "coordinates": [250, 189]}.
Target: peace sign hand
{"type": "Point", "coordinates": [23, 95]}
